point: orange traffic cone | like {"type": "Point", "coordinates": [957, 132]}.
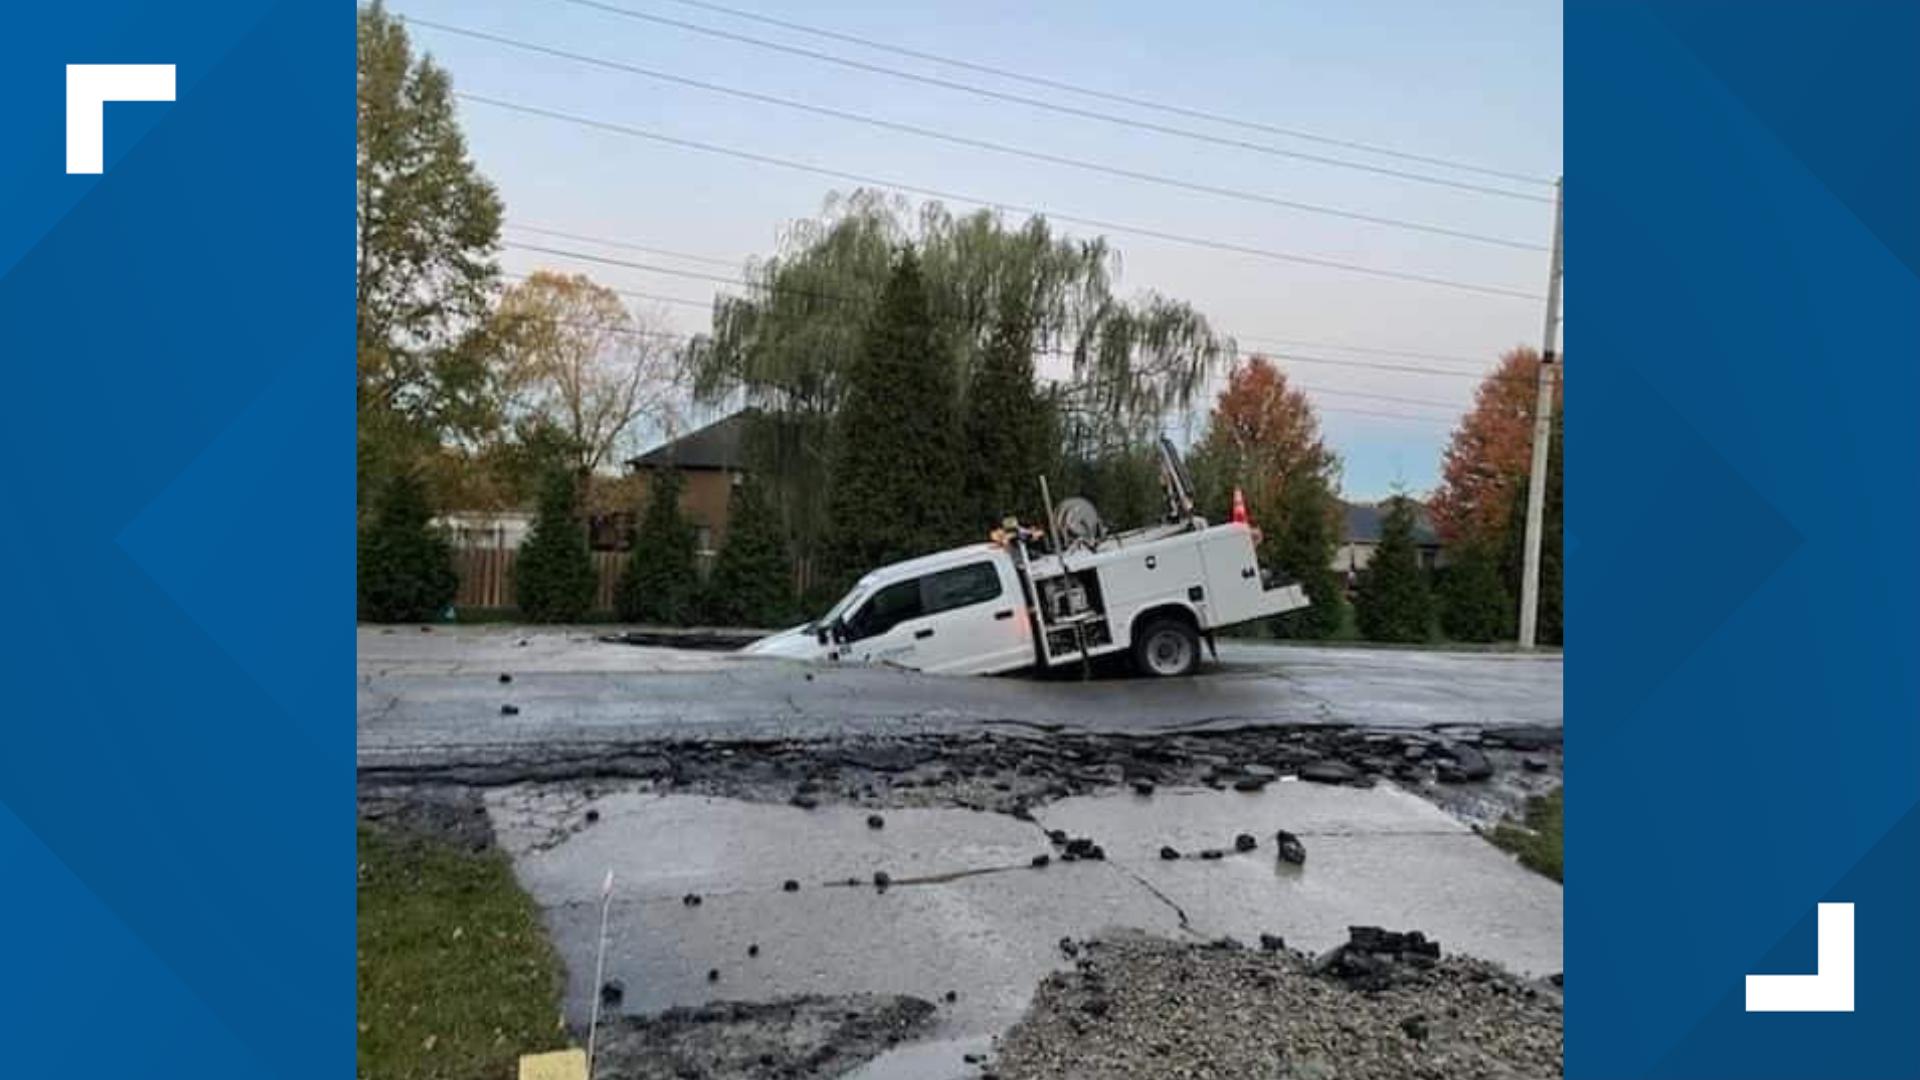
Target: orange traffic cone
{"type": "Point", "coordinates": [1239, 508]}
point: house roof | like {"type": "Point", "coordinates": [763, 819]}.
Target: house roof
{"type": "Point", "coordinates": [1363, 521]}
{"type": "Point", "coordinates": [716, 446]}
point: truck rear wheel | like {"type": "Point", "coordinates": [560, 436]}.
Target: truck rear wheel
{"type": "Point", "coordinates": [1166, 647]}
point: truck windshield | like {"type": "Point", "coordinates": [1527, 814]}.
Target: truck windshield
{"type": "Point", "coordinates": [845, 604]}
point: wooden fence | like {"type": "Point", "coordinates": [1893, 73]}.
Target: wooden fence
{"type": "Point", "coordinates": [486, 576]}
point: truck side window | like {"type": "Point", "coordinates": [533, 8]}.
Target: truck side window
{"type": "Point", "coordinates": [975, 583]}
{"type": "Point", "coordinates": [886, 609]}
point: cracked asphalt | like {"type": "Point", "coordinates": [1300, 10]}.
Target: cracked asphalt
{"type": "Point", "coordinates": [434, 695]}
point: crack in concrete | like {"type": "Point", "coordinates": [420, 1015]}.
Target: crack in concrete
{"type": "Point", "coordinates": [1178, 911]}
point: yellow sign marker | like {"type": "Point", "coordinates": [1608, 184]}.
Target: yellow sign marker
{"type": "Point", "coordinates": [558, 1065]}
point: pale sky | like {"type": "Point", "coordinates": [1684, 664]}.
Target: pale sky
{"type": "Point", "coordinates": [1476, 81]}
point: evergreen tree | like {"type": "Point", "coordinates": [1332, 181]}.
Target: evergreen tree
{"type": "Point", "coordinates": [1008, 426]}
{"type": "Point", "coordinates": [405, 567]}
{"type": "Point", "coordinates": [1302, 549]}
{"type": "Point", "coordinates": [1393, 602]}
{"type": "Point", "coordinates": [1474, 603]}
{"type": "Point", "coordinates": [752, 582]}
{"type": "Point", "coordinates": [661, 584]}
{"type": "Point", "coordinates": [1548, 628]}
{"type": "Point", "coordinates": [553, 574]}
{"type": "Point", "coordinates": [895, 460]}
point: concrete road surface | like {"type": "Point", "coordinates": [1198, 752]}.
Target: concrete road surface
{"type": "Point", "coordinates": [429, 693]}
{"type": "Point", "coordinates": [966, 911]}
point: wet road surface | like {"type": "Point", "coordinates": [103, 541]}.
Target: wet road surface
{"type": "Point", "coordinates": [433, 694]}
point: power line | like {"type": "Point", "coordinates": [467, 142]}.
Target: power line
{"type": "Point", "coordinates": [1053, 106]}
{"type": "Point", "coordinates": [844, 299]}
{"type": "Point", "coordinates": [936, 193]}
{"type": "Point", "coordinates": [1375, 350]}
{"type": "Point", "coordinates": [984, 144]}
{"type": "Point", "coordinates": [683, 339]}
{"type": "Point", "coordinates": [564, 235]}
{"type": "Point", "coordinates": [1337, 346]}
{"type": "Point", "coordinates": [705, 305]}
{"type": "Point", "coordinates": [1123, 99]}
{"type": "Point", "coordinates": [1238, 353]}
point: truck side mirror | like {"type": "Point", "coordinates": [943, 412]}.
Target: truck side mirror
{"type": "Point", "coordinates": [839, 629]}
{"type": "Point", "coordinates": [820, 635]}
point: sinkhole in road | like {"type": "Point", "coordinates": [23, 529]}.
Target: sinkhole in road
{"type": "Point", "coordinates": [966, 912]}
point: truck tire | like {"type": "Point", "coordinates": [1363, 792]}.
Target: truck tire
{"type": "Point", "coordinates": [1166, 648]}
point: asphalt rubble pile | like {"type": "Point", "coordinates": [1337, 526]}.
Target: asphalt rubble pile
{"type": "Point", "coordinates": [1479, 774]}
{"type": "Point", "coordinates": [1384, 1006]}
{"type": "Point", "coordinates": [812, 1036]}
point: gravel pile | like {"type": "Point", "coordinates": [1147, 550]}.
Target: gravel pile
{"type": "Point", "coordinates": [1137, 1007]}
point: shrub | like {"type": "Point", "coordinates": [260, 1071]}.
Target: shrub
{"type": "Point", "coordinates": [1393, 603]}
{"type": "Point", "coordinates": [1474, 602]}
{"type": "Point", "coordinates": [1303, 551]}
{"type": "Point", "coordinates": [660, 584]}
{"type": "Point", "coordinates": [752, 583]}
{"type": "Point", "coordinates": [553, 575]}
{"type": "Point", "coordinates": [405, 571]}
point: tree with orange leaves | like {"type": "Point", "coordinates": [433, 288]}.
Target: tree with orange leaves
{"type": "Point", "coordinates": [1486, 464]}
{"type": "Point", "coordinates": [1260, 431]}
{"type": "Point", "coordinates": [1264, 439]}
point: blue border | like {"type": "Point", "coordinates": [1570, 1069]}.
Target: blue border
{"type": "Point", "coordinates": [176, 762]}
{"type": "Point", "coordinates": [1743, 712]}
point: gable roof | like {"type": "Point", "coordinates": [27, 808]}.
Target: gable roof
{"type": "Point", "coordinates": [1362, 522]}
{"type": "Point", "coordinates": [716, 446]}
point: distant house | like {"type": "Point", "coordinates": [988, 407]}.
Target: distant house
{"type": "Point", "coordinates": [1360, 536]}
{"type": "Point", "coordinates": [485, 530]}
{"type": "Point", "coordinates": [711, 461]}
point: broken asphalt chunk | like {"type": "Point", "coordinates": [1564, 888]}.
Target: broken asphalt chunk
{"type": "Point", "coordinates": [1329, 771]}
{"type": "Point", "coordinates": [1245, 842]}
{"type": "Point", "coordinates": [1291, 849]}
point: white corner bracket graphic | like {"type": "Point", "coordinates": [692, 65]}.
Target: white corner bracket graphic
{"type": "Point", "coordinates": [1829, 988]}
{"type": "Point", "coordinates": [89, 88]}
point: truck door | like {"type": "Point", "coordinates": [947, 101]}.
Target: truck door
{"type": "Point", "coordinates": [973, 623]}
{"type": "Point", "coordinates": [882, 629]}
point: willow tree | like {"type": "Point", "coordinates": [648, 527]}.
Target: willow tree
{"type": "Point", "coordinates": [787, 345]}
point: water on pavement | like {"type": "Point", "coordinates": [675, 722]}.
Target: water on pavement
{"type": "Point", "coordinates": [966, 912]}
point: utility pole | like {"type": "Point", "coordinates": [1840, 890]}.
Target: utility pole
{"type": "Point", "coordinates": [1542, 430]}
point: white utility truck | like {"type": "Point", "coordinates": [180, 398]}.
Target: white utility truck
{"type": "Point", "coordinates": [1054, 599]}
